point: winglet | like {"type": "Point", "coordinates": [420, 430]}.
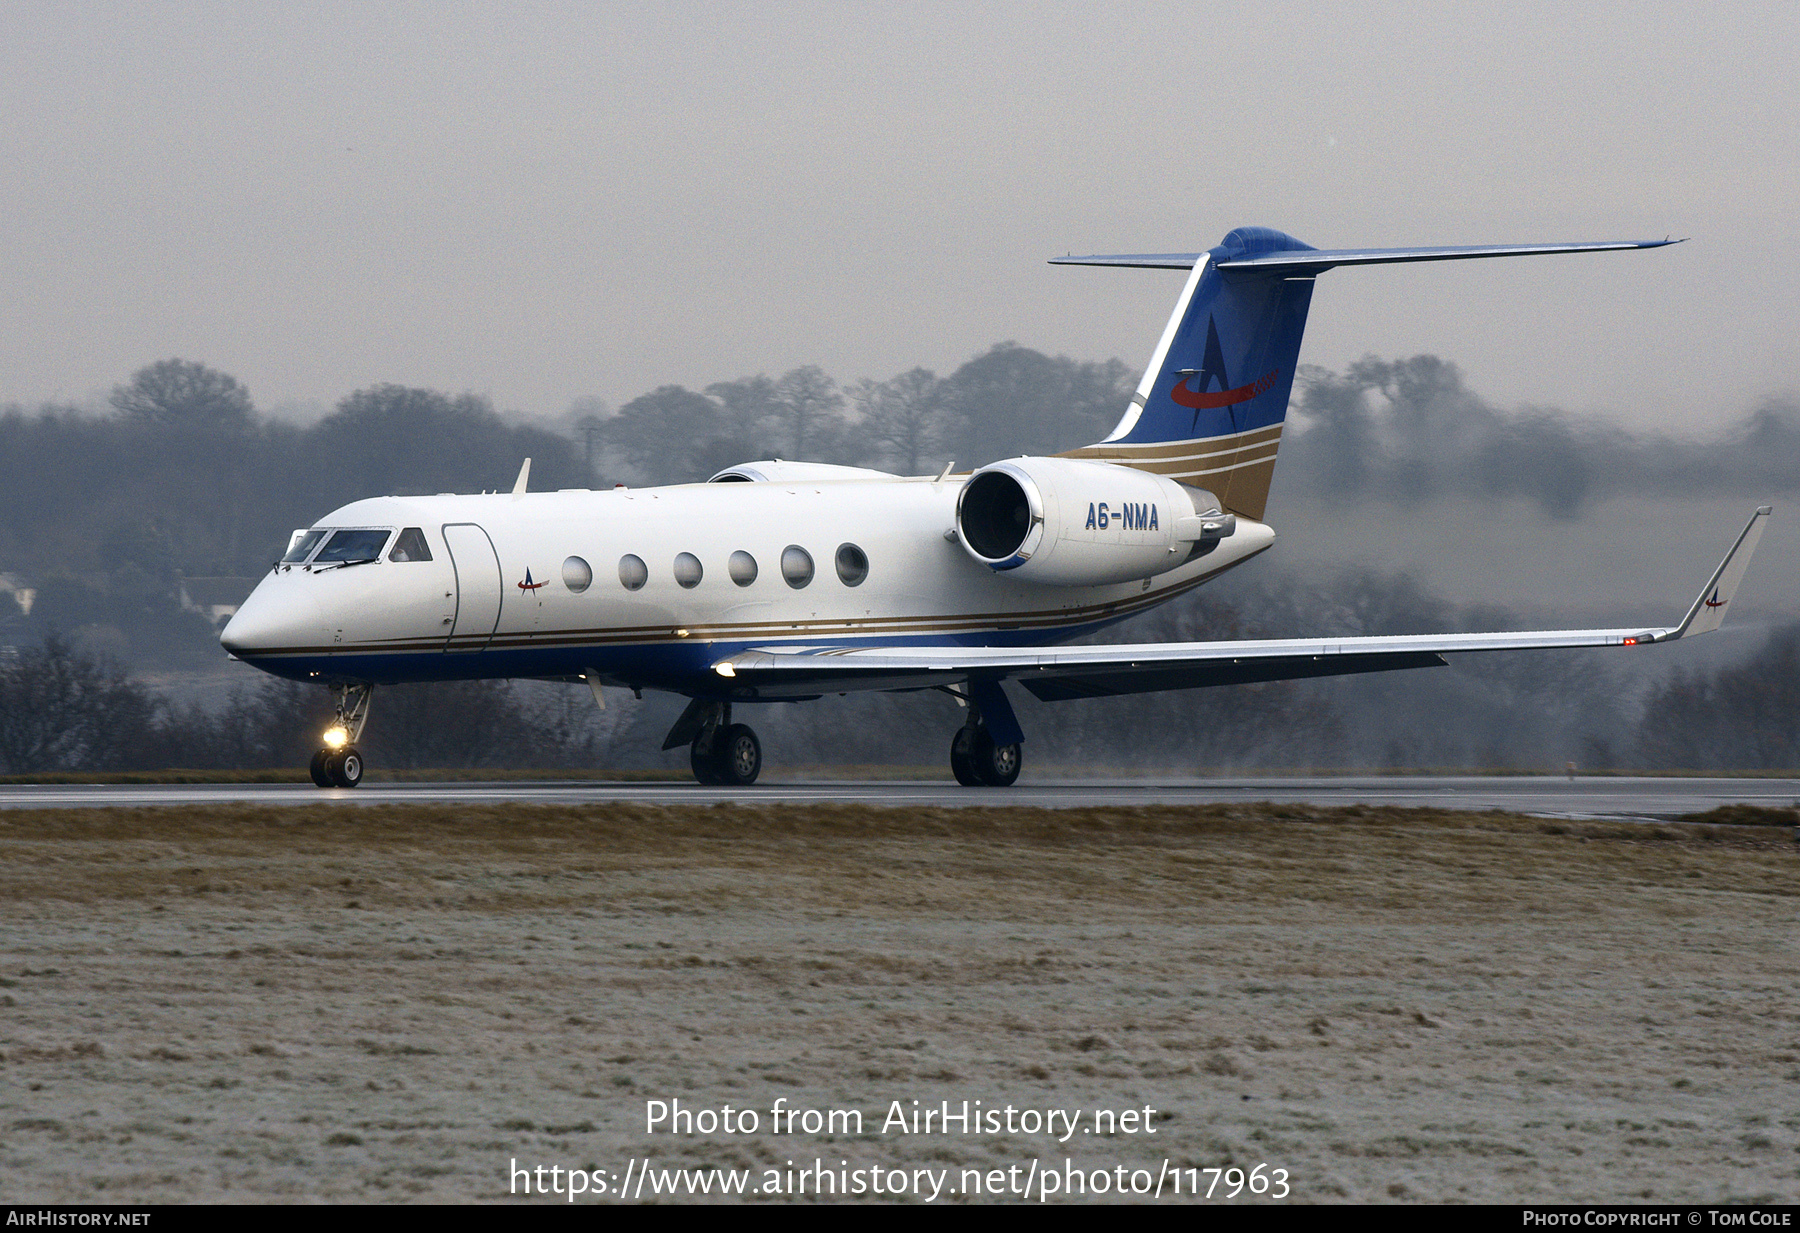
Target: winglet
{"type": "Point", "coordinates": [524, 477]}
{"type": "Point", "coordinates": [1708, 612]}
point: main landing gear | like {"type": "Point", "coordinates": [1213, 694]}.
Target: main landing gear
{"type": "Point", "coordinates": [978, 761]}
{"type": "Point", "coordinates": [339, 763]}
{"type": "Point", "coordinates": [722, 754]}
{"type": "Point", "coordinates": [988, 750]}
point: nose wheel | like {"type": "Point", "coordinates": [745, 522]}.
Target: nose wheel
{"type": "Point", "coordinates": [337, 768]}
{"type": "Point", "coordinates": [339, 763]}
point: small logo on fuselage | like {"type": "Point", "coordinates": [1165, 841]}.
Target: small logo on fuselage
{"type": "Point", "coordinates": [528, 584]}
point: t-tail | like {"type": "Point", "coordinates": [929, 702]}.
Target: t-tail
{"type": "Point", "coordinates": [1210, 409]}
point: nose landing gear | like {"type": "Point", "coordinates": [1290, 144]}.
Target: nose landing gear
{"type": "Point", "coordinates": [339, 763]}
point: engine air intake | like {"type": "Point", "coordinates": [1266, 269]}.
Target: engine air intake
{"type": "Point", "coordinates": [995, 515]}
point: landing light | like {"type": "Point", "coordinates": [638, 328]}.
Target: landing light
{"type": "Point", "coordinates": [724, 669]}
{"type": "Point", "coordinates": [337, 736]}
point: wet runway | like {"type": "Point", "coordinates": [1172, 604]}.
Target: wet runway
{"type": "Point", "coordinates": [1609, 797]}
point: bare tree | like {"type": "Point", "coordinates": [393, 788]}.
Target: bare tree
{"type": "Point", "coordinates": [810, 409]}
{"type": "Point", "coordinates": [905, 414]}
{"type": "Point", "coordinates": [185, 395]}
{"type": "Point", "coordinates": [61, 709]}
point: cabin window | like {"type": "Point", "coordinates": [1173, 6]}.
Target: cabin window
{"type": "Point", "coordinates": [577, 575]}
{"type": "Point", "coordinates": [300, 546]}
{"type": "Point", "coordinates": [796, 566]}
{"type": "Point", "coordinates": [633, 573]}
{"type": "Point", "coordinates": [852, 564]}
{"type": "Point", "coordinates": [687, 570]}
{"type": "Point", "coordinates": [345, 547]}
{"type": "Point", "coordinates": [741, 567]}
{"type": "Point", "coordinates": [410, 546]}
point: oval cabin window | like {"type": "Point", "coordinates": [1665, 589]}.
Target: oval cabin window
{"type": "Point", "coordinates": [852, 565]}
{"type": "Point", "coordinates": [796, 566]}
{"type": "Point", "coordinates": [742, 567]}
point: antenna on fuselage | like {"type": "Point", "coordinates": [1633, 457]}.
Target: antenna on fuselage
{"type": "Point", "coordinates": [524, 476]}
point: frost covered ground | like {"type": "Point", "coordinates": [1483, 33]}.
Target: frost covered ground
{"type": "Point", "coordinates": [399, 1003]}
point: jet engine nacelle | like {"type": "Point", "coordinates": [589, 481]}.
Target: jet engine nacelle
{"type": "Point", "coordinates": [1075, 523]}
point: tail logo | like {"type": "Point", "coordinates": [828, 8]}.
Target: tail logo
{"type": "Point", "coordinates": [1715, 601]}
{"type": "Point", "coordinates": [1212, 368]}
{"type": "Point", "coordinates": [1223, 398]}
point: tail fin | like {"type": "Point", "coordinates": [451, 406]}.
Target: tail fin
{"type": "Point", "coordinates": [1210, 408]}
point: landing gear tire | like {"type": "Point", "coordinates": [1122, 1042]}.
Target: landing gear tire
{"type": "Point", "coordinates": [962, 764]}
{"type": "Point", "coordinates": [344, 766]}
{"type": "Point", "coordinates": [739, 756]}
{"type": "Point", "coordinates": [705, 765]}
{"type": "Point", "coordinates": [997, 766]}
{"type": "Point", "coordinates": [320, 776]}
{"type": "Point", "coordinates": [734, 761]}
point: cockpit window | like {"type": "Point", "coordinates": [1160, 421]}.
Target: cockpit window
{"type": "Point", "coordinates": [346, 546]}
{"type": "Point", "coordinates": [300, 546]}
{"type": "Point", "coordinates": [410, 546]}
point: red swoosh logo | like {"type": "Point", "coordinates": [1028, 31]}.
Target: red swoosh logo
{"type": "Point", "coordinates": [1715, 601]}
{"type": "Point", "coordinates": [1224, 398]}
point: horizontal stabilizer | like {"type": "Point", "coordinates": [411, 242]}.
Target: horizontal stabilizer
{"type": "Point", "coordinates": [1303, 263]}
{"type": "Point", "coordinates": [1137, 261]}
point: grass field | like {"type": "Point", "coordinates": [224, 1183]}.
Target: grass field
{"type": "Point", "coordinates": [400, 1002]}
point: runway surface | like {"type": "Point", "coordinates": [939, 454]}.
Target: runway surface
{"type": "Point", "coordinates": [1611, 797]}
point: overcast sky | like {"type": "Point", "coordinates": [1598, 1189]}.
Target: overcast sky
{"type": "Point", "coordinates": [543, 202]}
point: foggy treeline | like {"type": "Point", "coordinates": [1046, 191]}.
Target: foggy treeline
{"type": "Point", "coordinates": [1408, 430]}
{"type": "Point", "coordinates": [1009, 401]}
{"type": "Point", "coordinates": [106, 512]}
{"type": "Point", "coordinates": [103, 514]}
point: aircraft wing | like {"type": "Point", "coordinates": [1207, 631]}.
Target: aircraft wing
{"type": "Point", "coordinates": [1056, 673]}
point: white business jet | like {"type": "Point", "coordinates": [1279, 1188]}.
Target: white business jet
{"type": "Point", "coordinates": [782, 581]}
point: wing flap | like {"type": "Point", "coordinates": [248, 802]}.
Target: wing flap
{"type": "Point", "coordinates": [1103, 684]}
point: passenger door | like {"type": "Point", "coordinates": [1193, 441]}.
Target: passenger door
{"type": "Point", "coordinates": [479, 586]}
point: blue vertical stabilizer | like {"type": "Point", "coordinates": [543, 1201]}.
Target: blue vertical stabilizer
{"type": "Point", "coordinates": [1210, 408]}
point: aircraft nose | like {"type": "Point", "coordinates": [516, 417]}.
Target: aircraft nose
{"type": "Point", "coordinates": [277, 616]}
